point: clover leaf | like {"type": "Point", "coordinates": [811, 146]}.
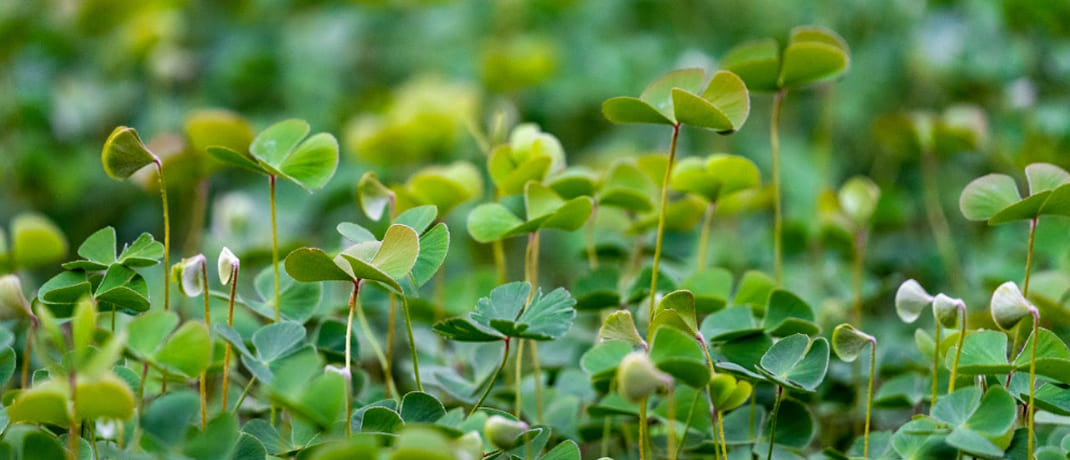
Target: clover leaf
{"type": "Point", "coordinates": [542, 208]}
{"type": "Point", "coordinates": [503, 315]}
{"type": "Point", "coordinates": [283, 150]}
{"type": "Point", "coordinates": [994, 197]}
{"type": "Point", "coordinates": [812, 54]}
{"type": "Point", "coordinates": [797, 362]}
{"type": "Point", "coordinates": [685, 96]}
{"type": "Point", "coordinates": [715, 176]}
{"type": "Point", "coordinates": [980, 425]}
{"type": "Point", "coordinates": [385, 261]}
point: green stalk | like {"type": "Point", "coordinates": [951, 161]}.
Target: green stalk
{"type": "Point", "coordinates": [661, 223]}
{"type": "Point", "coordinates": [208, 324]}
{"type": "Point", "coordinates": [958, 352]}
{"type": "Point", "coordinates": [391, 325]}
{"type": "Point", "coordinates": [1032, 376]}
{"type": "Point", "coordinates": [1029, 255]}
{"type": "Point", "coordinates": [490, 384]}
{"type": "Point", "coordinates": [778, 219]}
{"type": "Point", "coordinates": [412, 342]}
{"type": "Point", "coordinates": [644, 430]}
{"type": "Point", "coordinates": [869, 394]}
{"type": "Point", "coordinates": [499, 260]}
{"type": "Point", "coordinates": [772, 422]}
{"type": "Point", "coordinates": [24, 379]}
{"type": "Point", "coordinates": [518, 399]}
{"type": "Point", "coordinates": [720, 431]}
{"type": "Point", "coordinates": [353, 298]}
{"type": "Point", "coordinates": [274, 244]}
{"type": "Point", "coordinates": [704, 236]}
{"type": "Point", "coordinates": [72, 427]}
{"type": "Point", "coordinates": [592, 251]}
{"type": "Point", "coordinates": [166, 237]}
{"type": "Point", "coordinates": [687, 426]}
{"type": "Point", "coordinates": [857, 266]}
{"type": "Point", "coordinates": [538, 381]}
{"type": "Point", "coordinates": [230, 322]}
{"type": "Point", "coordinates": [244, 393]}
{"type": "Point", "coordinates": [936, 366]}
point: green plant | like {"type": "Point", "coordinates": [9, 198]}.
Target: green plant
{"type": "Point", "coordinates": [812, 54]}
{"type": "Point", "coordinates": [282, 150]}
{"type": "Point", "coordinates": [848, 343]}
{"type": "Point", "coordinates": [1009, 306]}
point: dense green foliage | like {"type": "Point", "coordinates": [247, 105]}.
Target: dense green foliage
{"type": "Point", "coordinates": [545, 230]}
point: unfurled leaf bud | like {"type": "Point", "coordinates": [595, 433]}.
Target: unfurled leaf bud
{"type": "Point", "coordinates": [637, 377]}
{"type": "Point", "coordinates": [503, 432]}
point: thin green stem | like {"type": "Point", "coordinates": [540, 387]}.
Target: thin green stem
{"type": "Point", "coordinates": [166, 237]}
{"type": "Point", "coordinates": [412, 343]}
{"type": "Point", "coordinates": [1029, 255]}
{"type": "Point", "coordinates": [670, 426]}
{"type": "Point", "coordinates": [704, 236]}
{"type": "Point", "coordinates": [1032, 377]}
{"type": "Point", "coordinates": [391, 326]}
{"type": "Point", "coordinates": [778, 219]}
{"type": "Point", "coordinates": [499, 260]}
{"type": "Point", "coordinates": [958, 352]}
{"type": "Point", "coordinates": [274, 243]}
{"type": "Point", "coordinates": [936, 367]}
{"type": "Point", "coordinates": [24, 379]}
{"type": "Point", "coordinates": [72, 428]}
{"type": "Point", "coordinates": [644, 430]}
{"type": "Point", "coordinates": [518, 377]}
{"type": "Point", "coordinates": [687, 424]}
{"type": "Point", "coordinates": [376, 348]}
{"type": "Point", "coordinates": [869, 395]}
{"type": "Point", "coordinates": [244, 393]}
{"type": "Point", "coordinates": [490, 384]}
{"type": "Point", "coordinates": [720, 431]}
{"type": "Point", "coordinates": [353, 296]}
{"type": "Point", "coordinates": [230, 322]}
{"type": "Point", "coordinates": [208, 324]}
{"type": "Point", "coordinates": [772, 421]}
{"type": "Point", "coordinates": [538, 381]}
{"type": "Point", "coordinates": [661, 223]}
{"type": "Point", "coordinates": [592, 250]}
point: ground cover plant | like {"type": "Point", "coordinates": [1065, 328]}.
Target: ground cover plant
{"type": "Point", "coordinates": [666, 257]}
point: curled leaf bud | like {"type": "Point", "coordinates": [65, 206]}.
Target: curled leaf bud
{"type": "Point", "coordinates": [188, 273]}
{"type": "Point", "coordinates": [910, 300]}
{"type": "Point", "coordinates": [11, 296]}
{"type": "Point", "coordinates": [637, 377]}
{"type": "Point", "coordinates": [227, 264]}
{"type": "Point", "coordinates": [503, 432]}
{"type": "Point", "coordinates": [1009, 306]}
{"type": "Point", "coordinates": [947, 310]}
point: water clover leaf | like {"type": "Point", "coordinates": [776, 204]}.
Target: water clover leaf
{"type": "Point", "coordinates": [678, 354]}
{"type": "Point", "coordinates": [444, 187]}
{"type": "Point", "coordinates": [35, 241]}
{"type": "Point", "coordinates": [1053, 357]}
{"type": "Point", "coordinates": [812, 54]}
{"type": "Point", "coordinates": [186, 351]}
{"type": "Point", "coordinates": [283, 150]}
{"type": "Point", "coordinates": [788, 314]}
{"type": "Point", "coordinates": [124, 153]}
{"type": "Point", "coordinates": [98, 252]}
{"type": "Point", "coordinates": [848, 342]}
{"type": "Point", "coordinates": [620, 327]}
{"type": "Point", "coordinates": [530, 155]}
{"type": "Point", "coordinates": [727, 392]}
{"type": "Point", "coordinates": [980, 425]}
{"type": "Point", "coordinates": [385, 261]}
{"type": "Point", "coordinates": [675, 98]}
{"type": "Point", "coordinates": [543, 208]}
{"type": "Point", "coordinates": [601, 361]}
{"type": "Point", "coordinates": [995, 198]}
{"type": "Point", "coordinates": [434, 244]}
{"type": "Point", "coordinates": [625, 186]}
{"type": "Point", "coordinates": [275, 340]}
{"type": "Point", "coordinates": [676, 309]}
{"type": "Point", "coordinates": [503, 314]}
{"type": "Point", "coordinates": [718, 175]}
{"type": "Point", "coordinates": [983, 353]}
{"type": "Point", "coordinates": [797, 361]}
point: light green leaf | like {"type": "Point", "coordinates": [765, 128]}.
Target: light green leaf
{"type": "Point", "coordinates": [373, 196]}
{"type": "Point", "coordinates": [274, 144]}
{"type": "Point", "coordinates": [659, 92]}
{"type": "Point", "coordinates": [313, 163]}
{"type": "Point", "coordinates": [124, 153]}
{"type": "Point", "coordinates": [986, 196]}
{"type": "Point", "coordinates": [491, 222]}
{"type": "Point", "coordinates": [813, 54]}
{"type": "Point", "coordinates": [757, 63]}
{"type": "Point", "coordinates": [433, 248]}
{"type": "Point", "coordinates": [1042, 177]}
{"type": "Point", "coordinates": [398, 252]}
{"type": "Point", "coordinates": [36, 241]}
{"type": "Point", "coordinates": [620, 327]}
{"type": "Point", "coordinates": [188, 351]}
{"type": "Point", "coordinates": [274, 340]}
{"type": "Point", "coordinates": [983, 353]}
{"type": "Point", "coordinates": [797, 362]}
{"type": "Point", "coordinates": [681, 356]}
{"type": "Point", "coordinates": [848, 342]}
{"type": "Point", "coordinates": [728, 93]}
{"type": "Point", "coordinates": [312, 264]}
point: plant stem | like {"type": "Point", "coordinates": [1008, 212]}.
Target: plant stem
{"type": "Point", "coordinates": [704, 236]}
{"type": "Point", "coordinates": [670, 426]}
{"type": "Point", "coordinates": [387, 377]}
{"type": "Point", "coordinates": [938, 221]}
{"type": "Point", "coordinates": [391, 325]}
{"type": "Point", "coordinates": [72, 427]}
{"type": "Point", "coordinates": [518, 398]}
{"type": "Point", "coordinates": [274, 243]}
{"type": "Point", "coordinates": [490, 384]}
{"type": "Point", "coordinates": [499, 260]}
{"type": "Point", "coordinates": [208, 324]}
{"type": "Point", "coordinates": [25, 377]}
{"type": "Point", "coordinates": [644, 430]}
{"type": "Point", "coordinates": [1032, 373]}
{"type": "Point", "coordinates": [1029, 255]}
{"type": "Point", "coordinates": [349, 351]}
{"type": "Point", "coordinates": [412, 343]}
{"type": "Point", "coordinates": [538, 381]}
{"type": "Point", "coordinates": [661, 224]}
{"type": "Point", "coordinates": [687, 425]}
{"type": "Point", "coordinates": [244, 393]}
{"type": "Point", "coordinates": [592, 250]}
{"type": "Point", "coordinates": [778, 219]}
{"type": "Point", "coordinates": [230, 322]}
{"type": "Point", "coordinates": [166, 237]}
{"type": "Point", "coordinates": [857, 267]}
{"type": "Point", "coordinates": [604, 442]}
{"type": "Point", "coordinates": [772, 421]}
{"type": "Point", "coordinates": [720, 432]}
{"type": "Point", "coordinates": [869, 394]}
{"type": "Point", "coordinates": [958, 352]}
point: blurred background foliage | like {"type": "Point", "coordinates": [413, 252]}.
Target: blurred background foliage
{"type": "Point", "coordinates": [407, 83]}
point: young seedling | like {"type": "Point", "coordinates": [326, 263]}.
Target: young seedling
{"type": "Point", "coordinates": [1009, 307]}
{"type": "Point", "coordinates": [684, 96]}
{"type": "Point", "coordinates": [192, 277]}
{"type": "Point", "coordinates": [910, 300]}
{"type": "Point", "coordinates": [796, 362]}
{"type": "Point", "coordinates": [853, 212]}
{"type": "Point", "coordinates": [948, 311]}
{"type": "Point", "coordinates": [228, 266]}
{"type": "Point", "coordinates": [124, 154]}
{"type": "Point", "coordinates": [813, 54]}
{"type": "Point", "coordinates": [282, 150]}
{"type": "Point", "coordinates": [848, 344]}
{"type": "Point", "coordinates": [717, 176]}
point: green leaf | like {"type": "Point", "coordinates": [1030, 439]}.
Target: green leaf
{"type": "Point", "coordinates": [239, 158]}
{"type": "Point", "coordinates": [658, 94]}
{"type": "Point", "coordinates": [601, 361]}
{"type": "Point", "coordinates": [217, 441]}
{"type": "Point", "coordinates": [314, 162]}
{"type": "Point", "coordinates": [43, 403]}
{"type": "Point", "coordinates": [1052, 360]}
{"type": "Point", "coordinates": [797, 362]}
{"type": "Point", "coordinates": [419, 218]}
{"type": "Point", "coordinates": [38, 444]}
{"type": "Point", "coordinates": [124, 153]}
{"type": "Point", "coordinates": [693, 110]}
{"type": "Point", "coordinates": [420, 407]}
{"type": "Point", "coordinates": [147, 332]}
{"type": "Point", "coordinates": [754, 290]}
{"type": "Point", "coordinates": [463, 330]}
{"type": "Point", "coordinates": [104, 397]}
{"type": "Point", "coordinates": [728, 94]}
{"type": "Point", "coordinates": [373, 196]}
{"type": "Point", "coordinates": [491, 222]}
{"type": "Point", "coordinates": [566, 450]}
{"type": "Point", "coordinates": [986, 196]}
{"type": "Point", "coordinates": [36, 241]}
{"type": "Point", "coordinates": [398, 252]}
{"type": "Point", "coordinates": [729, 324]}
{"type": "Point", "coordinates": [1026, 209]}
{"type": "Point", "coordinates": [188, 351]}
{"type": "Point", "coordinates": [676, 309]}
{"type": "Point", "coordinates": [983, 353]}
{"type": "Point", "coordinates": [813, 54]}
{"type": "Point", "coordinates": [623, 110]}
{"type": "Point", "coordinates": [681, 356]}
{"type": "Point", "coordinates": [312, 265]}
{"type": "Point", "coordinates": [99, 247]}
{"type": "Point", "coordinates": [548, 316]}
{"type": "Point", "coordinates": [274, 340]}
{"type": "Point", "coordinates": [446, 187]}
{"type": "Point", "coordinates": [7, 364]}
{"type": "Point", "coordinates": [1043, 177]}
{"type": "Point", "coordinates": [143, 252]}
{"type": "Point", "coordinates": [167, 418]}
{"type": "Point", "coordinates": [620, 327]}
{"type": "Point", "coordinates": [83, 326]}
{"type": "Point", "coordinates": [712, 288]}
{"type": "Point", "coordinates": [275, 143]}
{"type": "Point", "coordinates": [215, 127]}
{"type": "Point", "coordinates": [795, 427]}
{"type": "Point", "coordinates": [756, 62]}
{"type": "Point", "coordinates": [787, 314]}
{"type": "Point", "coordinates": [433, 248]}
{"type": "Point", "coordinates": [381, 420]}
{"type": "Point", "coordinates": [848, 342]}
